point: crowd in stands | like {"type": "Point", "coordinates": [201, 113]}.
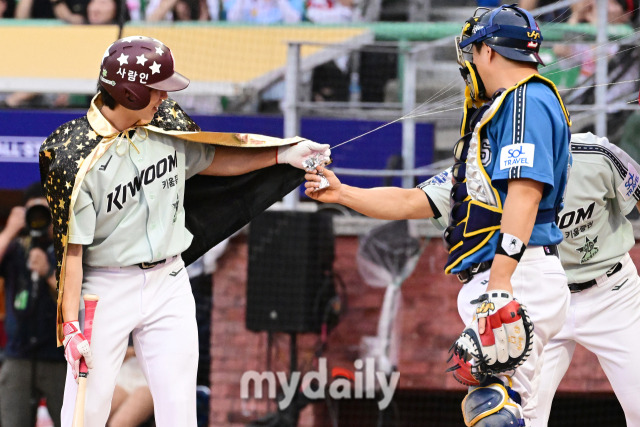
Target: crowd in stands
{"type": "Point", "coordinates": [98, 12]}
{"type": "Point", "coordinates": [330, 81]}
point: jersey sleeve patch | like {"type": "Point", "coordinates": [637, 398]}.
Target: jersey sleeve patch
{"type": "Point", "coordinates": [442, 178]}
{"type": "Point", "coordinates": [630, 183]}
{"type": "Point", "coordinates": [515, 155]}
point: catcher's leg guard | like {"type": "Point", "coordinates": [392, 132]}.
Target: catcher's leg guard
{"type": "Point", "coordinates": [492, 405]}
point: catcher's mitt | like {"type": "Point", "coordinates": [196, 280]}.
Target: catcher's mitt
{"type": "Point", "coordinates": [506, 342]}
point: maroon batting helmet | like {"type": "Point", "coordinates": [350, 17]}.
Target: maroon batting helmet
{"type": "Point", "coordinates": [132, 65]}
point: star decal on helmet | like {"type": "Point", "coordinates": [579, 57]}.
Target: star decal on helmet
{"type": "Point", "coordinates": [159, 50]}
{"type": "Point", "coordinates": [141, 59]}
{"type": "Point", "coordinates": [155, 68]}
{"type": "Point", "coordinates": [123, 59]}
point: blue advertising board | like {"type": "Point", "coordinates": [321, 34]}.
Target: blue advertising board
{"type": "Point", "coordinates": [22, 132]}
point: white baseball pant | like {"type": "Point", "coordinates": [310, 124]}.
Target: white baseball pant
{"type": "Point", "coordinates": [539, 282]}
{"type": "Point", "coordinates": [604, 319]}
{"type": "Point", "coordinates": [157, 306]}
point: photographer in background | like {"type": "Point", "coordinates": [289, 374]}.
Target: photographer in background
{"type": "Point", "coordinates": [34, 367]}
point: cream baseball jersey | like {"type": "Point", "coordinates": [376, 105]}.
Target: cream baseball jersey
{"type": "Point", "coordinates": [135, 182]}
{"type": "Point", "coordinates": [603, 188]}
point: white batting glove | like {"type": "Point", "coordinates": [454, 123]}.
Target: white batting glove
{"type": "Point", "coordinates": [296, 154]}
{"type": "Point", "coordinates": [76, 347]}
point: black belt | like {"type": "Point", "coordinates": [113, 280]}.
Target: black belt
{"type": "Point", "coordinates": [466, 275]}
{"type": "Point", "coordinates": [147, 265]}
{"type": "Point", "coordinates": [577, 287]}
{"type": "Point", "coordinates": [551, 250]}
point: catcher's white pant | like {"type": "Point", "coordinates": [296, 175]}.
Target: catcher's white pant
{"type": "Point", "coordinates": [157, 306]}
{"type": "Point", "coordinates": [539, 282]}
{"type": "Point", "coordinates": [604, 319]}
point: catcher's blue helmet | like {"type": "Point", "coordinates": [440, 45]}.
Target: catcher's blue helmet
{"type": "Point", "coordinates": [509, 30]}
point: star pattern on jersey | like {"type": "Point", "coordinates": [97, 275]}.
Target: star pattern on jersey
{"type": "Point", "coordinates": [155, 68]}
{"type": "Point", "coordinates": [589, 249]}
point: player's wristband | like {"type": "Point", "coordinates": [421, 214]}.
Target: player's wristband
{"type": "Point", "coordinates": [510, 246]}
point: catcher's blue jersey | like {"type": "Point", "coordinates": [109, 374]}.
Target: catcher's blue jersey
{"type": "Point", "coordinates": [528, 137]}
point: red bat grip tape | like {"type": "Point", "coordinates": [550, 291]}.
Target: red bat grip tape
{"type": "Point", "coordinates": [89, 311]}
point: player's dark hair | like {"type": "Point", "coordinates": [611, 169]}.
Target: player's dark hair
{"type": "Point", "coordinates": [107, 99]}
{"type": "Point", "coordinates": [33, 191]}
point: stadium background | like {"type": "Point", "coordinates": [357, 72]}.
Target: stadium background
{"type": "Point", "coordinates": [243, 69]}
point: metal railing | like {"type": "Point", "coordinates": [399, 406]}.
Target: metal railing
{"type": "Point", "coordinates": [409, 55]}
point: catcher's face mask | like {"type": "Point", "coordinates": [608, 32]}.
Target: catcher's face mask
{"type": "Point", "coordinates": [464, 53]}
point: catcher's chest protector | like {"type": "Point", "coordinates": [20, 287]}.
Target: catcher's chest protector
{"type": "Point", "coordinates": [476, 208]}
{"type": "Point", "coordinates": [476, 204]}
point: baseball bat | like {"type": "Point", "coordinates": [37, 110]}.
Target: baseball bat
{"type": "Point", "coordinates": [90, 302]}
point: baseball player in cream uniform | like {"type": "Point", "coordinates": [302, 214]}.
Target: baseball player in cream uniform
{"type": "Point", "coordinates": [604, 316]}
{"type": "Point", "coordinates": [127, 231]}
{"type": "Point", "coordinates": [122, 239]}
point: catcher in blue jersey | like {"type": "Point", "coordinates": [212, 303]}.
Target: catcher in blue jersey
{"type": "Point", "coordinates": [509, 177]}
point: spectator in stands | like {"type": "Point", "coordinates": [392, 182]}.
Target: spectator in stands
{"type": "Point", "coordinates": [34, 367]}
{"type": "Point", "coordinates": [197, 10]}
{"type": "Point", "coordinates": [330, 81]}
{"type": "Point", "coordinates": [151, 10]}
{"type": "Point", "coordinates": [188, 10]}
{"type": "Point", "coordinates": [619, 12]}
{"type": "Point", "coordinates": [330, 11]}
{"type": "Point", "coordinates": [263, 11]}
{"type": "Point", "coordinates": [7, 8]}
{"type": "Point", "coordinates": [559, 15]}
{"type": "Point", "coordinates": [170, 10]}
{"type": "Point", "coordinates": [623, 66]}
{"type": "Point", "coordinates": [71, 11]}
{"type": "Point", "coordinates": [214, 10]}
{"type": "Point", "coordinates": [104, 12]}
